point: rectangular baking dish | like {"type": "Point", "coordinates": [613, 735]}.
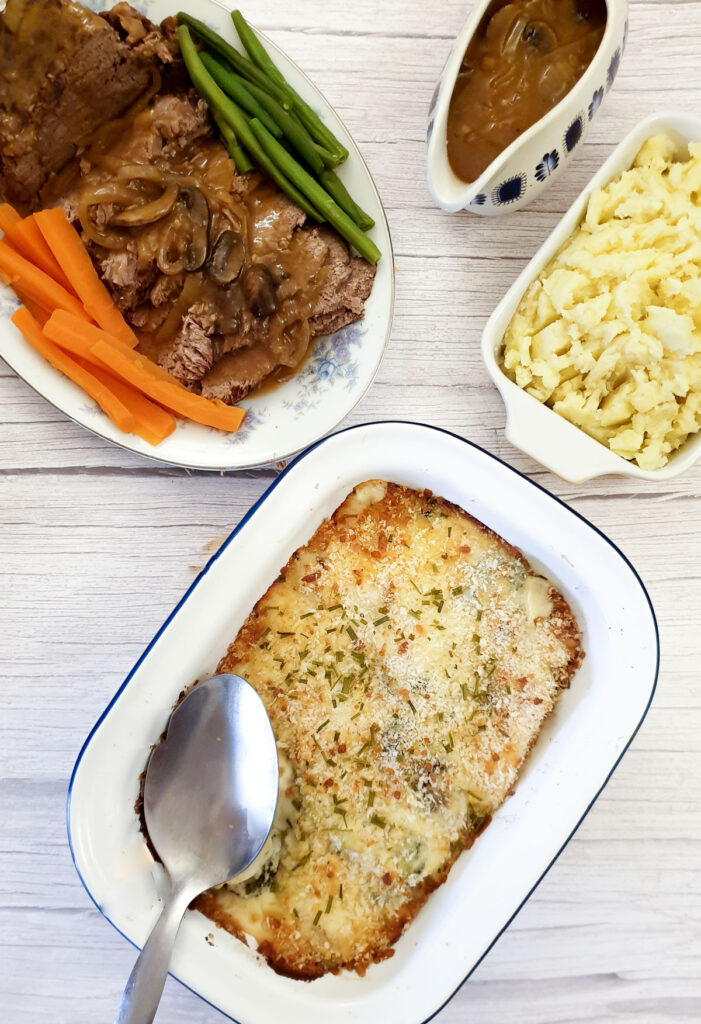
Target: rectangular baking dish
{"type": "Point", "coordinates": [532, 427]}
{"type": "Point", "coordinates": [573, 759]}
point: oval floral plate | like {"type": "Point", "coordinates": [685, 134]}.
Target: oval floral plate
{"type": "Point", "coordinates": [294, 415]}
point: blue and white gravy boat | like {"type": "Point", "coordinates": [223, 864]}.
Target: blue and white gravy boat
{"type": "Point", "coordinates": [521, 171]}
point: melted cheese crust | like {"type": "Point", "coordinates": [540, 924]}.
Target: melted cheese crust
{"type": "Point", "coordinates": [408, 658]}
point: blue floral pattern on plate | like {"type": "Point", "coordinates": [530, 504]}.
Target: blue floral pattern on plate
{"type": "Point", "coordinates": [479, 200]}
{"type": "Point", "coordinates": [333, 361]}
{"type": "Point", "coordinates": [547, 165]}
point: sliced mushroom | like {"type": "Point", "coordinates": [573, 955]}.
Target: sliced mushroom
{"type": "Point", "coordinates": [147, 213]}
{"type": "Point", "coordinates": [226, 259]}
{"type": "Point", "coordinates": [539, 35]}
{"type": "Point", "coordinates": [195, 203]}
{"type": "Point", "coordinates": [184, 242]}
{"type": "Point", "coordinates": [259, 290]}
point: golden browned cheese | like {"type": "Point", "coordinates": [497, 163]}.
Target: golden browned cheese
{"type": "Point", "coordinates": [408, 658]}
{"type": "Point", "coordinates": [524, 57]}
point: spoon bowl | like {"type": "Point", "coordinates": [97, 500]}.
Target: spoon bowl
{"type": "Point", "coordinates": [210, 796]}
{"type": "Point", "coordinates": [212, 783]}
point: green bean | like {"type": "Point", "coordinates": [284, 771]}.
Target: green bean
{"type": "Point", "coordinates": [295, 133]}
{"type": "Point", "coordinates": [312, 122]}
{"type": "Point", "coordinates": [315, 193]}
{"type": "Point", "coordinates": [327, 158]}
{"type": "Point", "coordinates": [338, 191]}
{"type": "Point", "coordinates": [231, 84]}
{"type": "Point", "coordinates": [235, 151]}
{"type": "Point", "coordinates": [235, 59]}
{"type": "Point", "coordinates": [233, 115]}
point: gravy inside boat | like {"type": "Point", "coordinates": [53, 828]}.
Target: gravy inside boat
{"type": "Point", "coordinates": [524, 57]}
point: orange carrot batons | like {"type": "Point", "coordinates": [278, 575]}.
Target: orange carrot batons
{"type": "Point", "coordinates": [152, 423]}
{"type": "Point", "coordinates": [64, 241]}
{"type": "Point", "coordinates": [106, 399]}
{"type": "Point", "coordinates": [95, 345]}
{"type": "Point", "coordinates": [40, 313]}
{"type": "Point", "coordinates": [37, 284]}
{"type": "Point", "coordinates": [27, 239]}
{"type": "Point", "coordinates": [78, 336]}
{"type": "Point", "coordinates": [9, 218]}
{"type": "Point", "coordinates": [137, 370]}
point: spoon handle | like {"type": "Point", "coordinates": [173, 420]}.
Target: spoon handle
{"type": "Point", "coordinates": [148, 977]}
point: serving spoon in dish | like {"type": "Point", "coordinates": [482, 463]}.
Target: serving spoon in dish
{"type": "Point", "coordinates": [210, 796]}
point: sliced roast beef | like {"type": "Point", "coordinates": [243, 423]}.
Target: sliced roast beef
{"type": "Point", "coordinates": [64, 71]}
{"type": "Point", "coordinates": [348, 285]}
{"type": "Point", "coordinates": [237, 373]}
{"type": "Point", "coordinates": [191, 353]}
{"type": "Point", "coordinates": [220, 273]}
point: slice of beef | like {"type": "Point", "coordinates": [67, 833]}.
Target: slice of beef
{"type": "Point", "coordinates": [191, 353]}
{"type": "Point", "coordinates": [64, 71]}
{"type": "Point", "coordinates": [128, 281]}
{"type": "Point", "coordinates": [348, 285]}
{"type": "Point", "coordinates": [166, 289]}
{"type": "Point", "coordinates": [275, 218]}
{"type": "Point", "coordinates": [180, 119]}
{"type": "Point", "coordinates": [237, 373]}
{"type": "Point", "coordinates": [136, 30]}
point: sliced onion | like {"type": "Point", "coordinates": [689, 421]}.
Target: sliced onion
{"type": "Point", "coordinates": [192, 290]}
{"type": "Point", "coordinates": [147, 213]}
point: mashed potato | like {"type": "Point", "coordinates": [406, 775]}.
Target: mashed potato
{"type": "Point", "coordinates": [609, 335]}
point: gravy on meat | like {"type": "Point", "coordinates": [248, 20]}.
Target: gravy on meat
{"type": "Point", "coordinates": [224, 279]}
{"type": "Point", "coordinates": [524, 57]}
{"type": "Point", "coordinates": [182, 213]}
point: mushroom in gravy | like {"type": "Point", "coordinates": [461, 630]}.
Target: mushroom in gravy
{"type": "Point", "coordinates": [524, 57]}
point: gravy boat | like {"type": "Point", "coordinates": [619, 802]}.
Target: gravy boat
{"type": "Point", "coordinates": [526, 167]}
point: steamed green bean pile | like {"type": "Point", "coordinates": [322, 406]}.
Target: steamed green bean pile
{"type": "Point", "coordinates": [264, 122]}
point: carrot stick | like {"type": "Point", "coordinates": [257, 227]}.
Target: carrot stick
{"type": "Point", "coordinates": [64, 241]}
{"type": "Point", "coordinates": [8, 218]}
{"type": "Point", "coordinates": [38, 312]}
{"type": "Point", "coordinates": [108, 402]}
{"type": "Point", "coordinates": [136, 370]}
{"type": "Point", "coordinates": [27, 239]}
{"type": "Point", "coordinates": [35, 283]}
{"type": "Point", "coordinates": [152, 423]}
{"type": "Point", "coordinates": [78, 336]}
{"type": "Point", "coordinates": [98, 347]}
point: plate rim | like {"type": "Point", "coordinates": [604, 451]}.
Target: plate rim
{"type": "Point", "coordinates": [244, 520]}
{"type": "Point", "coordinates": [389, 256]}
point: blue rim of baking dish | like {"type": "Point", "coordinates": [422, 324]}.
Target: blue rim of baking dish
{"type": "Point", "coordinates": [234, 532]}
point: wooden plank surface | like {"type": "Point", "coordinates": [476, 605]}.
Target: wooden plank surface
{"type": "Point", "coordinates": [97, 545]}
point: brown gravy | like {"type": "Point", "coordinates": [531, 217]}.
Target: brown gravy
{"type": "Point", "coordinates": [524, 57]}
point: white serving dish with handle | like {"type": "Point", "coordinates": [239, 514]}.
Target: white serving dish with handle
{"type": "Point", "coordinates": [280, 422]}
{"type": "Point", "coordinates": [525, 168]}
{"type": "Point", "coordinates": [531, 426]}
{"type": "Point", "coordinates": [571, 762]}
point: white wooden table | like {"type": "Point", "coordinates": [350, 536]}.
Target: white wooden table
{"type": "Point", "coordinates": [97, 545]}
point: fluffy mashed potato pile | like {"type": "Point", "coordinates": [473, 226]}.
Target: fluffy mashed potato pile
{"type": "Point", "coordinates": [609, 336]}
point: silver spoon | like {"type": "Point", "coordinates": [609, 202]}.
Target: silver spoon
{"type": "Point", "coordinates": [209, 801]}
